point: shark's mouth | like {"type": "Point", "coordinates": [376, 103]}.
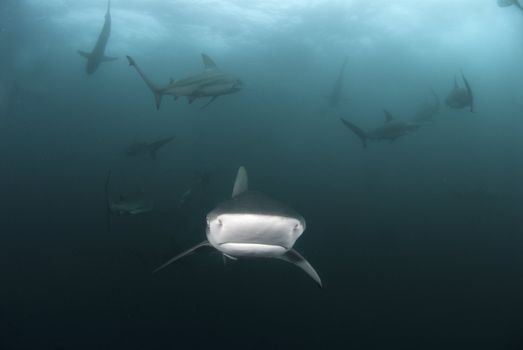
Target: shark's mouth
{"type": "Point", "coordinates": [252, 249]}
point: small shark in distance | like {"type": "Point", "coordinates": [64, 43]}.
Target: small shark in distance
{"type": "Point", "coordinates": [428, 110]}
{"type": "Point", "coordinates": [97, 56]}
{"type": "Point", "coordinates": [390, 130]}
{"type": "Point", "coordinates": [506, 3]}
{"type": "Point", "coordinates": [459, 97]}
{"type": "Point", "coordinates": [125, 205]}
{"type": "Point", "coordinates": [212, 82]}
{"type": "Point", "coordinates": [252, 225]}
{"type": "Point", "coordinates": [140, 148]}
{"type": "Point", "coordinates": [336, 94]}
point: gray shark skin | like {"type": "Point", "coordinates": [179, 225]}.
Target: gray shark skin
{"type": "Point", "coordinates": [97, 55]}
{"type": "Point", "coordinates": [461, 97]}
{"type": "Point", "coordinates": [506, 3]}
{"type": "Point", "coordinates": [140, 148]}
{"type": "Point", "coordinates": [428, 109]}
{"type": "Point", "coordinates": [212, 82]}
{"type": "Point", "coordinates": [252, 225]}
{"type": "Point", "coordinates": [125, 205]}
{"type": "Point", "coordinates": [336, 94]}
{"type": "Point", "coordinates": [390, 130]}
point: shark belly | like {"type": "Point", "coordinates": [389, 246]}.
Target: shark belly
{"type": "Point", "coordinates": [251, 250]}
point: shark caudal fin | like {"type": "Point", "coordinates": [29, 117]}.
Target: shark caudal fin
{"type": "Point", "coordinates": [293, 257]}
{"type": "Point", "coordinates": [157, 92]}
{"type": "Point", "coordinates": [155, 146]}
{"type": "Point", "coordinates": [198, 247]}
{"type": "Point", "coordinates": [108, 201]}
{"type": "Point", "coordinates": [241, 184]}
{"type": "Point", "coordinates": [469, 91]}
{"type": "Point", "coordinates": [358, 131]}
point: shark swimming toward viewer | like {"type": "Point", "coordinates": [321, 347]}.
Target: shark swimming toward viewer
{"type": "Point", "coordinates": [390, 130]}
{"type": "Point", "coordinates": [140, 148]}
{"type": "Point", "coordinates": [126, 205]}
{"type": "Point", "coordinates": [97, 56]}
{"type": "Point", "coordinates": [212, 82]}
{"type": "Point", "coordinates": [460, 97]}
{"type": "Point", "coordinates": [252, 225]}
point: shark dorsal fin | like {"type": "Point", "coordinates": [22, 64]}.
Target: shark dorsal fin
{"type": "Point", "coordinates": [388, 116]}
{"type": "Point", "coordinates": [241, 184]}
{"type": "Point", "coordinates": [208, 63]}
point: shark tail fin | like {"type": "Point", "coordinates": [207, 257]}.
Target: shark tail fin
{"type": "Point", "coordinates": [241, 184]}
{"type": "Point", "coordinates": [469, 91]}
{"type": "Point", "coordinates": [155, 146]}
{"type": "Point", "coordinates": [157, 92]}
{"type": "Point", "coordinates": [358, 131]}
{"type": "Point", "coordinates": [199, 246]}
{"type": "Point", "coordinates": [108, 200]}
{"type": "Point", "coordinates": [293, 257]}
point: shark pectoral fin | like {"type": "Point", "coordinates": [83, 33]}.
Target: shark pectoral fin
{"type": "Point", "coordinates": [84, 54]}
{"type": "Point", "coordinates": [200, 246]}
{"type": "Point", "coordinates": [210, 101]}
{"type": "Point", "coordinates": [241, 184]}
{"type": "Point", "coordinates": [293, 257]}
{"type": "Point", "coordinates": [109, 59]}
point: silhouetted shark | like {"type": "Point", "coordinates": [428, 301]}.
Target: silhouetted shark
{"type": "Point", "coordinates": [336, 94]}
{"type": "Point", "coordinates": [97, 56]}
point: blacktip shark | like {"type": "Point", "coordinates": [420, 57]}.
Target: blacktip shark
{"type": "Point", "coordinates": [126, 205]}
{"type": "Point", "coordinates": [212, 82]}
{"type": "Point", "coordinates": [336, 94]}
{"type": "Point", "coordinates": [97, 56]}
{"type": "Point", "coordinates": [506, 3]}
{"type": "Point", "coordinates": [252, 225]}
{"type": "Point", "coordinates": [428, 109]}
{"type": "Point", "coordinates": [460, 97]}
{"type": "Point", "coordinates": [140, 148]}
{"type": "Point", "coordinates": [390, 130]}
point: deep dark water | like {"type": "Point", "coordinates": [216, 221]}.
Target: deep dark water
{"type": "Point", "coordinates": [418, 242]}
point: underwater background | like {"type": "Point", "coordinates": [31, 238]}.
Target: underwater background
{"type": "Point", "coordinates": [419, 242]}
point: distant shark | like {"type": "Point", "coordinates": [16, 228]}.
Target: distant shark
{"type": "Point", "coordinates": [428, 110]}
{"type": "Point", "coordinates": [141, 148]}
{"type": "Point", "coordinates": [252, 225]}
{"type": "Point", "coordinates": [459, 97]}
{"type": "Point", "coordinates": [506, 3]}
{"type": "Point", "coordinates": [390, 130]}
{"type": "Point", "coordinates": [97, 56]}
{"type": "Point", "coordinates": [126, 205]}
{"type": "Point", "coordinates": [212, 82]}
{"type": "Point", "coordinates": [336, 94]}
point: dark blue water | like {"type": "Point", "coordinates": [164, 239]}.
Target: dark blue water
{"type": "Point", "coordinates": [418, 241]}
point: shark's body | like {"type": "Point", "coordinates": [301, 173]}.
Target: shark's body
{"type": "Point", "coordinates": [252, 225]}
{"type": "Point", "coordinates": [461, 97]}
{"type": "Point", "coordinates": [97, 55]}
{"type": "Point", "coordinates": [427, 110]}
{"type": "Point", "coordinates": [212, 82]}
{"type": "Point", "coordinates": [506, 3]}
{"type": "Point", "coordinates": [126, 205]}
{"type": "Point", "coordinates": [336, 94]}
{"type": "Point", "coordinates": [141, 148]}
{"type": "Point", "coordinates": [390, 130]}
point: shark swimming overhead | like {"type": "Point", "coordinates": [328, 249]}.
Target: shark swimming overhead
{"type": "Point", "coordinates": [336, 95]}
{"type": "Point", "coordinates": [506, 3]}
{"type": "Point", "coordinates": [460, 97]}
{"type": "Point", "coordinates": [126, 205]}
{"type": "Point", "coordinates": [390, 130]}
{"type": "Point", "coordinates": [212, 82]}
{"type": "Point", "coordinates": [252, 225]}
{"type": "Point", "coordinates": [140, 148]}
{"type": "Point", "coordinates": [97, 56]}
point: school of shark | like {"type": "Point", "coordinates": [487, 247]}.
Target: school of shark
{"type": "Point", "coordinates": [249, 224]}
